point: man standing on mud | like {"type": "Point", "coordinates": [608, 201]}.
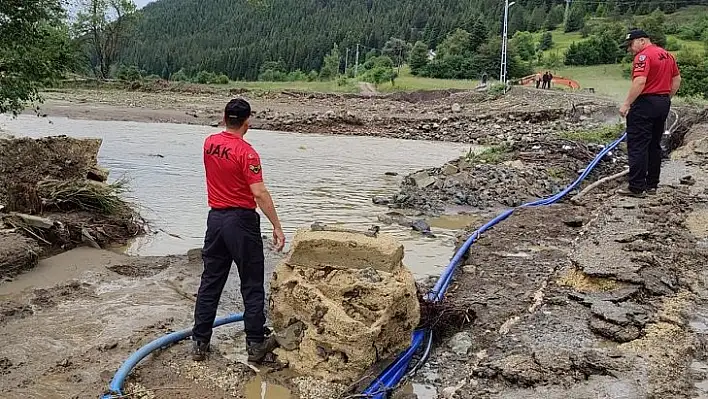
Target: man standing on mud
{"type": "Point", "coordinates": [235, 187]}
{"type": "Point", "coordinates": [655, 80]}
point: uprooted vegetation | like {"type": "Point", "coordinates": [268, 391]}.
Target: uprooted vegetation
{"type": "Point", "coordinates": [54, 196]}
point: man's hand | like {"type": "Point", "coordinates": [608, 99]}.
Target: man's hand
{"type": "Point", "coordinates": [624, 110]}
{"type": "Point", "coordinates": [278, 239]}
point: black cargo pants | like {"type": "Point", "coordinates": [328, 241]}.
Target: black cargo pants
{"type": "Point", "coordinates": [645, 126]}
{"type": "Point", "coordinates": [232, 235]}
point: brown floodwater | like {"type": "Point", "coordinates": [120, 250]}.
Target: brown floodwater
{"type": "Point", "coordinates": [329, 179]}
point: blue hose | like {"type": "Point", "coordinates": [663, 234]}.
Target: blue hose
{"type": "Point", "coordinates": [115, 389]}
{"type": "Point", "coordinates": [393, 374]}
{"type": "Point", "coordinates": [391, 377]}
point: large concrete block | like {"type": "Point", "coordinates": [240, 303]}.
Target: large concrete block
{"type": "Point", "coordinates": [353, 314]}
{"type": "Point", "coordinates": [345, 250]}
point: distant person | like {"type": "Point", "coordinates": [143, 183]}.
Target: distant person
{"type": "Point", "coordinates": [655, 80]}
{"type": "Point", "coordinates": [550, 79]}
{"type": "Point", "coordinates": [537, 79]}
{"type": "Point", "coordinates": [545, 80]}
{"type": "Point", "coordinates": [234, 179]}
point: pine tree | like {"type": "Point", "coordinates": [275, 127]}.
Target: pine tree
{"type": "Point", "coordinates": [419, 58]}
{"type": "Point", "coordinates": [546, 41]}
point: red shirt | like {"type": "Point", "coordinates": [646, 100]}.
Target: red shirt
{"type": "Point", "coordinates": [231, 166]}
{"type": "Point", "coordinates": [658, 66]}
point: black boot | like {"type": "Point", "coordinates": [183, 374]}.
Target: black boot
{"type": "Point", "coordinates": [199, 351]}
{"type": "Point", "coordinates": [262, 352]}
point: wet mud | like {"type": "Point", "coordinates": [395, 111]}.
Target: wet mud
{"type": "Point", "coordinates": [597, 299]}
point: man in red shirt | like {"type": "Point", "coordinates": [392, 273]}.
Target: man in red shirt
{"type": "Point", "coordinates": [235, 187]}
{"type": "Point", "coordinates": [655, 80]}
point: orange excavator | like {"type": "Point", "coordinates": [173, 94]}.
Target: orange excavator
{"type": "Point", "coordinates": [558, 80]}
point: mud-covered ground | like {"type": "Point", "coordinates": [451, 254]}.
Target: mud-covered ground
{"type": "Point", "coordinates": [601, 298]}
{"type": "Point", "coordinates": [461, 116]}
{"type": "Point", "coordinates": [606, 298]}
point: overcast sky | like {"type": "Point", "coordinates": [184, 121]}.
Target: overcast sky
{"type": "Point", "coordinates": [141, 3]}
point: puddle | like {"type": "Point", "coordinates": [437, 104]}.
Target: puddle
{"type": "Point", "coordinates": [420, 391]}
{"type": "Point", "coordinates": [258, 388]}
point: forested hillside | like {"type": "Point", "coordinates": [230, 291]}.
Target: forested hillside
{"type": "Point", "coordinates": [236, 37]}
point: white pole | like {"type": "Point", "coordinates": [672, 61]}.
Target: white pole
{"type": "Point", "coordinates": [502, 72]}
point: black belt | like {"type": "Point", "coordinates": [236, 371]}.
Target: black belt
{"type": "Point", "coordinates": [653, 95]}
{"type": "Point", "coordinates": [232, 209]}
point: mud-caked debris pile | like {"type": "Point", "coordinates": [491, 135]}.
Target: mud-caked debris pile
{"type": "Point", "coordinates": [502, 176]}
{"type": "Point", "coordinates": [343, 302]}
{"type": "Point", "coordinates": [54, 196]}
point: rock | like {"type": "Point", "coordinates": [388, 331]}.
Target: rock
{"type": "Point", "coordinates": [381, 200]}
{"type": "Point", "coordinates": [17, 254]}
{"type": "Point", "coordinates": [556, 360]}
{"type": "Point", "coordinates": [618, 295]}
{"type": "Point", "coordinates": [574, 221]}
{"type": "Point", "coordinates": [613, 331]}
{"type": "Point", "coordinates": [391, 174]}
{"type": "Point", "coordinates": [422, 179]}
{"type": "Point", "coordinates": [519, 369]}
{"type": "Point", "coordinates": [194, 254]}
{"type": "Point", "coordinates": [421, 226]}
{"type": "Point", "coordinates": [456, 107]}
{"type": "Point", "coordinates": [687, 180]}
{"type": "Point", "coordinates": [610, 312]}
{"type": "Point", "coordinates": [215, 124]}
{"type": "Point", "coordinates": [97, 173]}
{"type": "Point", "coordinates": [461, 343]}
{"type": "Point", "coordinates": [449, 169]}
{"type": "Point", "coordinates": [357, 302]}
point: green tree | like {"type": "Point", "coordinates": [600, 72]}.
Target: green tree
{"type": "Point", "coordinates": [418, 58]}
{"type": "Point", "coordinates": [576, 19]}
{"type": "Point", "coordinates": [330, 67]}
{"type": "Point", "coordinates": [538, 19]}
{"type": "Point", "coordinates": [654, 26]}
{"type": "Point", "coordinates": [34, 50]}
{"type": "Point", "coordinates": [105, 25]}
{"type": "Point", "coordinates": [479, 34]}
{"type": "Point", "coordinates": [546, 41]}
{"type": "Point", "coordinates": [128, 73]}
{"type": "Point", "coordinates": [457, 43]}
{"type": "Point", "coordinates": [555, 17]}
{"type": "Point", "coordinates": [524, 45]}
{"type": "Point", "coordinates": [397, 49]}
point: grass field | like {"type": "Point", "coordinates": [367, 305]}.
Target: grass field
{"type": "Point", "coordinates": [606, 80]}
{"type": "Point", "coordinates": [405, 82]}
{"type": "Point", "coordinates": [317, 86]}
{"type": "Point", "coordinates": [408, 82]}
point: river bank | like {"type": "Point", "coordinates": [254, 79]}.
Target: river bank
{"type": "Point", "coordinates": [444, 115]}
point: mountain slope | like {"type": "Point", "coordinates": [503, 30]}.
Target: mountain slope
{"type": "Point", "coordinates": [235, 37]}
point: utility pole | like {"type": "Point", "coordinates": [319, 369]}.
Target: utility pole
{"type": "Point", "coordinates": [356, 65]}
{"type": "Point", "coordinates": [346, 62]}
{"type": "Point", "coordinates": [505, 40]}
{"type": "Point", "coordinates": [567, 12]}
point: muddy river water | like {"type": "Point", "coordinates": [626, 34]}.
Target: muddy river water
{"type": "Point", "coordinates": [330, 179]}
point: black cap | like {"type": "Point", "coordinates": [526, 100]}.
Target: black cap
{"type": "Point", "coordinates": [238, 108]}
{"type": "Point", "coordinates": [634, 34]}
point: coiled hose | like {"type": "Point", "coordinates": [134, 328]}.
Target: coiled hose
{"type": "Point", "coordinates": [391, 377]}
